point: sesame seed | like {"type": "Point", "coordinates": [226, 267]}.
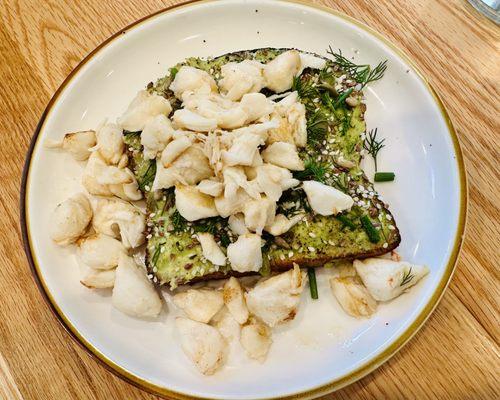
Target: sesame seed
{"type": "Point", "coordinates": [282, 257]}
{"type": "Point", "coordinates": [312, 234]}
{"type": "Point", "coordinates": [155, 279]}
{"type": "Point", "coordinates": [152, 215]}
{"type": "Point", "coordinates": [162, 250]}
{"type": "Point", "coordinates": [301, 250]}
{"type": "Point", "coordinates": [290, 254]}
{"type": "Point", "coordinates": [331, 243]}
{"type": "Point", "coordinates": [327, 175]}
{"type": "Point", "coordinates": [150, 276]}
{"type": "Point", "coordinates": [388, 217]}
{"type": "Point", "coordinates": [147, 188]}
{"type": "Point", "coordinates": [311, 249]}
{"type": "Point", "coordinates": [392, 227]}
{"type": "Point", "coordinates": [385, 245]}
{"type": "Point", "coordinates": [130, 149]}
{"type": "Point", "coordinates": [155, 269]}
{"type": "Point", "coordinates": [149, 236]}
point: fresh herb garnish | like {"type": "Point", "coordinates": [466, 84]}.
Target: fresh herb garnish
{"type": "Point", "coordinates": [384, 176]}
{"type": "Point", "coordinates": [156, 255]}
{"type": "Point", "coordinates": [313, 170]}
{"type": "Point", "coordinates": [346, 222]}
{"type": "Point", "coordinates": [342, 97]}
{"type": "Point", "coordinates": [131, 134]}
{"type": "Point", "coordinates": [178, 221]}
{"type": "Point", "coordinates": [346, 122]}
{"type": "Point", "coordinates": [370, 230]}
{"type": "Point", "coordinates": [313, 286]}
{"type": "Point", "coordinates": [148, 177]}
{"type": "Point", "coordinates": [304, 88]}
{"type": "Point", "coordinates": [173, 72]}
{"type": "Point", "coordinates": [407, 277]}
{"type": "Point", "coordinates": [340, 181]}
{"type": "Point", "coordinates": [372, 145]}
{"type": "Point", "coordinates": [363, 73]}
{"type": "Point", "coordinates": [317, 127]}
{"type": "Point", "coordinates": [224, 238]}
{"type": "Point", "coordinates": [208, 225]}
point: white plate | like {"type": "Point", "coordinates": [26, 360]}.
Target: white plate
{"type": "Point", "coordinates": [323, 349]}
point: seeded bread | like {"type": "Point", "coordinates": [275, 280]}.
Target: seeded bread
{"type": "Point", "coordinates": [335, 144]}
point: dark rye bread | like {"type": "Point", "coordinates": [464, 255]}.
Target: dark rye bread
{"type": "Point", "coordinates": [173, 253]}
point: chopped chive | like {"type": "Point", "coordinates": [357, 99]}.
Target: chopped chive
{"type": "Point", "coordinates": [313, 286]}
{"type": "Point", "coordinates": [346, 222]}
{"type": "Point", "coordinates": [342, 97]}
{"type": "Point", "coordinates": [370, 230]}
{"type": "Point", "coordinates": [384, 176]}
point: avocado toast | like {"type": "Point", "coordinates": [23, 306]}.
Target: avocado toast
{"type": "Point", "coordinates": [332, 97]}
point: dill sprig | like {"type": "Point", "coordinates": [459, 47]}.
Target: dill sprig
{"type": "Point", "coordinates": [362, 73]}
{"type": "Point", "coordinates": [208, 225]}
{"type": "Point", "coordinates": [407, 277]}
{"type": "Point", "coordinates": [317, 127]}
{"type": "Point", "coordinates": [304, 88]}
{"type": "Point", "coordinates": [340, 181]}
{"type": "Point", "coordinates": [178, 221]}
{"type": "Point", "coordinates": [372, 145]}
{"type": "Point", "coordinates": [312, 170]}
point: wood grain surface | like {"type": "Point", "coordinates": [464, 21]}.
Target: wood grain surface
{"type": "Point", "coordinates": [454, 356]}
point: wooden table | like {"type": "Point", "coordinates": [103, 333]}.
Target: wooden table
{"type": "Point", "coordinates": [455, 355]}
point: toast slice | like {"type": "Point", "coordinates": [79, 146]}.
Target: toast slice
{"type": "Point", "coordinates": [333, 155]}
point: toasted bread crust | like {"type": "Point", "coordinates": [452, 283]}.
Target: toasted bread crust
{"type": "Point", "coordinates": [303, 262]}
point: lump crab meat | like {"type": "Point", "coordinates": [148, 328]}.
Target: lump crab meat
{"type": "Point", "coordinates": [202, 344]}
{"type": "Point", "coordinates": [199, 304]}
{"type": "Point", "coordinates": [133, 293]}
{"type": "Point", "coordinates": [70, 220]}
{"type": "Point", "coordinates": [276, 300]}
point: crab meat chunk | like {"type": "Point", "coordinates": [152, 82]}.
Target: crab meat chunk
{"type": "Point", "coordinates": [234, 300]}
{"type": "Point", "coordinates": [276, 300]}
{"type": "Point", "coordinates": [70, 219]}
{"type": "Point", "coordinates": [202, 344]}
{"type": "Point", "coordinates": [133, 293]}
{"type": "Point", "coordinates": [386, 279]}
{"type": "Point", "coordinates": [353, 296]}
